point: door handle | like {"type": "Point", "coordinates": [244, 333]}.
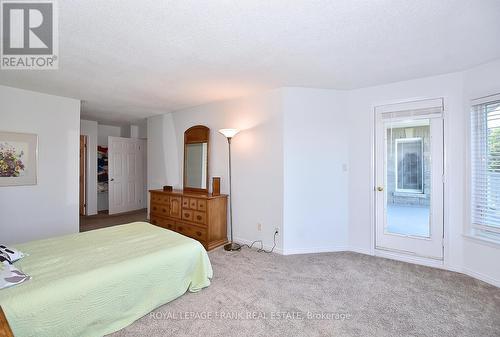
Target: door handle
{"type": "Point", "coordinates": [380, 188]}
{"type": "Point", "coordinates": [112, 179]}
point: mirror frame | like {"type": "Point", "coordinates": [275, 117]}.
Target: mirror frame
{"type": "Point", "coordinates": [195, 135]}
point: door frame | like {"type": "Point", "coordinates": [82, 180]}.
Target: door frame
{"type": "Point", "coordinates": [444, 263]}
{"type": "Point", "coordinates": [82, 209]}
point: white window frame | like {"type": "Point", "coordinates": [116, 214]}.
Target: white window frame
{"type": "Point", "coordinates": [409, 140]}
{"type": "Point", "coordinates": [476, 230]}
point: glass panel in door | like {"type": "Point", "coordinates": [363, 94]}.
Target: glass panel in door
{"type": "Point", "coordinates": [408, 178]}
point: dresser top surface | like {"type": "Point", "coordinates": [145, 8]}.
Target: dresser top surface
{"type": "Point", "coordinates": [182, 193]}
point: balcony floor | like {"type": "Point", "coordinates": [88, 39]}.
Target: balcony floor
{"type": "Point", "coordinates": [408, 220]}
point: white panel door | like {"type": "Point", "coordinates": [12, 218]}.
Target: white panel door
{"type": "Point", "coordinates": [126, 174]}
{"type": "Point", "coordinates": [409, 185]}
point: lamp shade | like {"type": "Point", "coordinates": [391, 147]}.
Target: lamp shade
{"type": "Point", "coordinates": [229, 133]}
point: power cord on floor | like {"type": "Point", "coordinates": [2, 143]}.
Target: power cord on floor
{"type": "Point", "coordinates": [261, 249]}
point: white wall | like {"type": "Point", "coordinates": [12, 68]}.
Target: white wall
{"type": "Point", "coordinates": [136, 130]}
{"type": "Point", "coordinates": [361, 107]}
{"type": "Point", "coordinates": [291, 136]}
{"type": "Point", "coordinates": [89, 129]}
{"type": "Point", "coordinates": [461, 254]}
{"type": "Point", "coordinates": [316, 157]}
{"type": "Point", "coordinates": [304, 161]}
{"type": "Point", "coordinates": [257, 158]}
{"type": "Point", "coordinates": [126, 130]}
{"type": "Point", "coordinates": [139, 129]}
{"type": "Point", "coordinates": [162, 158]}
{"type": "Point", "coordinates": [105, 131]}
{"type": "Point", "coordinates": [481, 259]}
{"type": "Point", "coordinates": [51, 207]}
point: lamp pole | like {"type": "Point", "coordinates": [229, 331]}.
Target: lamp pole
{"type": "Point", "coordinates": [231, 246]}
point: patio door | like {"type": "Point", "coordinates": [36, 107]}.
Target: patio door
{"type": "Point", "coordinates": [409, 178]}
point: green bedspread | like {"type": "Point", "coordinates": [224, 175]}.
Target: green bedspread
{"type": "Point", "coordinates": [97, 282]}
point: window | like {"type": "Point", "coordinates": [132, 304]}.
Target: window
{"type": "Point", "coordinates": [485, 168]}
{"type": "Point", "coordinates": [409, 165]}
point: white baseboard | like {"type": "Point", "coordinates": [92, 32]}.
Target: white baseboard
{"type": "Point", "coordinates": [314, 250]}
{"type": "Point", "coordinates": [295, 251]}
{"type": "Point", "coordinates": [410, 259]}
{"type": "Point", "coordinates": [380, 253]}
{"type": "Point", "coordinates": [276, 250]}
{"type": "Point", "coordinates": [360, 250]}
{"type": "Point", "coordinates": [481, 277]}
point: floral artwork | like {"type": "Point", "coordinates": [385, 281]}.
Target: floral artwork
{"type": "Point", "coordinates": [18, 159]}
{"type": "Point", "coordinates": [11, 159]}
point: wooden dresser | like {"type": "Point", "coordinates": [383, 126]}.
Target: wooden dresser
{"type": "Point", "coordinates": [200, 216]}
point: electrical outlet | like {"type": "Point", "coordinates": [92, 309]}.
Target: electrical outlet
{"type": "Point", "coordinates": [259, 226]}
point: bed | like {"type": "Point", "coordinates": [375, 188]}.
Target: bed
{"type": "Point", "coordinates": [95, 283]}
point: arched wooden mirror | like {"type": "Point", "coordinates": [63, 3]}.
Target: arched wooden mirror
{"type": "Point", "coordinates": [196, 140]}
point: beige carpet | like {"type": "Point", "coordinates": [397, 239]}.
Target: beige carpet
{"type": "Point", "coordinates": [350, 294]}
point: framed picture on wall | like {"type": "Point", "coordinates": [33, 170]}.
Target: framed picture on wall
{"type": "Point", "coordinates": [18, 159]}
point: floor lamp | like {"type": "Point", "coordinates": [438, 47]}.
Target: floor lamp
{"type": "Point", "coordinates": [229, 134]}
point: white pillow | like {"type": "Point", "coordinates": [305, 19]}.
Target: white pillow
{"type": "Point", "coordinates": [5, 258]}
{"type": "Point", "coordinates": [13, 254]}
{"type": "Point", "coordinates": [10, 275]}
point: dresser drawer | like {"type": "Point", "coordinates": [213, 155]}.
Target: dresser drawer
{"type": "Point", "coordinates": [192, 231]}
{"type": "Point", "coordinates": [193, 203]}
{"type": "Point", "coordinates": [168, 224]}
{"type": "Point", "coordinates": [160, 198]}
{"type": "Point", "coordinates": [187, 214]}
{"type": "Point", "coordinates": [201, 205]}
{"type": "Point", "coordinates": [160, 209]}
{"type": "Point", "coordinates": [200, 217]}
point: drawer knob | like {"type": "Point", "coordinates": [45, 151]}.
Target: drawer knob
{"type": "Point", "coordinates": [198, 217]}
{"type": "Point", "coordinates": [198, 233]}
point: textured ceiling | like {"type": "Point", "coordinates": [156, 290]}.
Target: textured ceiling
{"type": "Point", "coordinates": [131, 59]}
